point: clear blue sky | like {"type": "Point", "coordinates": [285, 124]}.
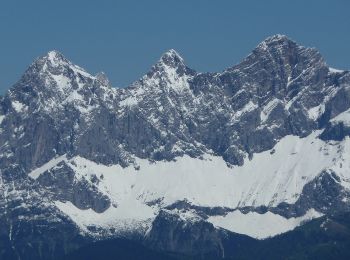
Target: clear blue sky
{"type": "Point", "coordinates": [124, 38]}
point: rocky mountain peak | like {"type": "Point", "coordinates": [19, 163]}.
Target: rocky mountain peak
{"type": "Point", "coordinates": [280, 47]}
{"type": "Point", "coordinates": [48, 62]}
{"type": "Point", "coordinates": [54, 63]}
{"type": "Point", "coordinates": [171, 62]}
{"type": "Point", "coordinates": [169, 71]}
{"type": "Point", "coordinates": [55, 57]}
{"type": "Point", "coordinates": [51, 81]}
{"type": "Point", "coordinates": [276, 39]}
{"type": "Point", "coordinates": [278, 44]}
{"type": "Point", "coordinates": [172, 59]}
{"type": "Point", "coordinates": [279, 63]}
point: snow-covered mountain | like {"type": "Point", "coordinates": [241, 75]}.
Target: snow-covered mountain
{"type": "Point", "coordinates": [257, 149]}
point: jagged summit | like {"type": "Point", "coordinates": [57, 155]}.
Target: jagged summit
{"type": "Point", "coordinates": [56, 63]}
{"type": "Point", "coordinates": [52, 58]}
{"type": "Point", "coordinates": [168, 71]}
{"type": "Point", "coordinates": [171, 58]}
{"type": "Point", "coordinates": [284, 47]}
{"type": "Point", "coordinates": [51, 82]}
{"type": "Point", "coordinates": [55, 56]}
{"type": "Point", "coordinates": [283, 59]}
{"type": "Point", "coordinates": [278, 38]}
{"type": "Point", "coordinates": [274, 42]}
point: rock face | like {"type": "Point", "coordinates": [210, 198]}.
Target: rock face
{"type": "Point", "coordinates": [72, 148]}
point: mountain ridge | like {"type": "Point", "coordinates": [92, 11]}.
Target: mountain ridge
{"type": "Point", "coordinates": [255, 144]}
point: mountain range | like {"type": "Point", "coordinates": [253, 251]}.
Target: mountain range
{"type": "Point", "coordinates": [180, 164]}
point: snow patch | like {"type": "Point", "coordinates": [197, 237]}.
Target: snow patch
{"type": "Point", "coordinates": [260, 226]}
{"type": "Point", "coordinates": [342, 117]}
{"type": "Point", "coordinates": [265, 113]}
{"type": "Point", "coordinates": [47, 166]}
{"type": "Point", "coordinates": [333, 70]}
{"type": "Point", "coordinates": [2, 117]}
{"type": "Point", "coordinates": [123, 217]}
{"type": "Point", "coordinates": [62, 81]}
{"type": "Point", "coordinates": [18, 106]}
{"type": "Point", "coordinates": [250, 106]}
{"type": "Point", "coordinates": [315, 112]}
{"type": "Point", "coordinates": [129, 102]}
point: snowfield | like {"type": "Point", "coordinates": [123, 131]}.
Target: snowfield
{"type": "Point", "coordinates": [260, 226]}
{"type": "Point", "coordinates": [269, 178]}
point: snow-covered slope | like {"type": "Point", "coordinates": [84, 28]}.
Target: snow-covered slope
{"type": "Point", "coordinates": [268, 179]}
{"type": "Point", "coordinates": [260, 226]}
